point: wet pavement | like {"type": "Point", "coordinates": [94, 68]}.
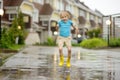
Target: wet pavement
{"type": "Point", "coordinates": [41, 63]}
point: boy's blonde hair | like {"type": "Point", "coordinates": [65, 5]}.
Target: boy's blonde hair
{"type": "Point", "coordinates": [64, 13]}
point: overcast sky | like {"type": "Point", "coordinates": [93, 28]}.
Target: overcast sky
{"type": "Point", "coordinates": [107, 7]}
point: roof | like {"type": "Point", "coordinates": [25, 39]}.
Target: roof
{"type": "Point", "coordinates": [46, 9]}
{"type": "Point", "coordinates": [12, 2]}
{"type": "Point", "coordinates": [38, 6]}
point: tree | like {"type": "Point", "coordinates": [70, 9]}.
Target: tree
{"type": "Point", "coordinates": [17, 29]}
{"type": "Point", "coordinates": [22, 30]}
{"type": "Point", "coordinates": [5, 40]}
{"type": "Point", "coordinates": [94, 33]}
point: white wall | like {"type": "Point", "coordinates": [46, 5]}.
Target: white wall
{"type": "Point", "coordinates": [32, 38]}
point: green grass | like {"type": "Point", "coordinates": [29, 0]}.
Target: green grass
{"type": "Point", "coordinates": [16, 47]}
{"type": "Point", "coordinates": [4, 56]}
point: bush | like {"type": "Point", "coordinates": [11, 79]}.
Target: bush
{"type": "Point", "coordinates": [5, 39]}
{"type": "Point", "coordinates": [93, 43]}
{"type": "Point", "coordinates": [114, 42]}
{"type": "Point", "coordinates": [50, 42]}
{"type": "Point", "coordinates": [118, 42]}
{"type": "Point", "coordinates": [94, 33]}
{"type": "Point", "coordinates": [9, 35]}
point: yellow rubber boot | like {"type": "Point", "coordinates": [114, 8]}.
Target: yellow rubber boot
{"type": "Point", "coordinates": [61, 61]}
{"type": "Point", "coordinates": [68, 77]}
{"type": "Point", "coordinates": [68, 62]}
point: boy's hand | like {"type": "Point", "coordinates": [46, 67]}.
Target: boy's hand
{"type": "Point", "coordinates": [76, 30]}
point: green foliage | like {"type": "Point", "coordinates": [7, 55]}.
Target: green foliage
{"type": "Point", "coordinates": [50, 41]}
{"type": "Point", "coordinates": [16, 30]}
{"type": "Point", "coordinates": [118, 42]}
{"type": "Point", "coordinates": [94, 33]}
{"type": "Point", "coordinates": [114, 42]}
{"type": "Point", "coordinates": [75, 44]}
{"type": "Point", "coordinates": [5, 40]}
{"type": "Point", "coordinates": [93, 43]}
{"type": "Point", "coordinates": [20, 20]}
{"type": "Point", "coordinates": [90, 34]}
{"type": "Point", "coordinates": [16, 47]}
{"type": "Point", "coordinates": [22, 31]}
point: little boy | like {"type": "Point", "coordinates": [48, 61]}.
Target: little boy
{"type": "Point", "coordinates": [64, 26]}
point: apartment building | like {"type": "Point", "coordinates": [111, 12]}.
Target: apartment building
{"type": "Point", "coordinates": [31, 15]}
{"type": "Point", "coordinates": [113, 29]}
{"type": "Point", "coordinates": [40, 16]}
{"type": "Point", "coordinates": [82, 16]}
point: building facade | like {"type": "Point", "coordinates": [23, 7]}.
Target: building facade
{"type": "Point", "coordinates": [40, 16]}
{"type": "Point", "coordinates": [83, 17]}
{"type": "Point", "coordinates": [114, 27]}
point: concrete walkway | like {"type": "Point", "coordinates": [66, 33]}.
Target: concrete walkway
{"type": "Point", "coordinates": [42, 64]}
{"type": "Point", "coordinates": [114, 49]}
{"type": "Point", "coordinates": [28, 58]}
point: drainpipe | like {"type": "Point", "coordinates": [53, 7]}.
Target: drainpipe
{"type": "Point", "coordinates": [114, 27]}
{"type": "Point", "coordinates": [49, 25]}
{"type": "Point", "coordinates": [83, 31]}
{"type": "Point", "coordinates": [49, 28]}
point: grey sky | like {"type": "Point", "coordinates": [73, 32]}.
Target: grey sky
{"type": "Point", "coordinates": [106, 7]}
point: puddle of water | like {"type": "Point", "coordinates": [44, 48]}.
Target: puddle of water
{"type": "Point", "coordinates": [86, 66]}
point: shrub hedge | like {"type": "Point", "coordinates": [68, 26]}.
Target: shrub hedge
{"type": "Point", "coordinates": [93, 43]}
{"type": "Point", "coordinates": [114, 42]}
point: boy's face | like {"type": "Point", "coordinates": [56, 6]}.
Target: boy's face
{"type": "Point", "coordinates": [64, 17]}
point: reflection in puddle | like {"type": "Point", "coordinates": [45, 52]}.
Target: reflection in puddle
{"type": "Point", "coordinates": [85, 66]}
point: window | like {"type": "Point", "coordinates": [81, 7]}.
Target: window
{"type": "Point", "coordinates": [67, 7]}
{"type": "Point", "coordinates": [61, 5]}
{"type": "Point", "coordinates": [1, 4]}
{"type": "Point", "coordinates": [35, 15]}
{"type": "Point", "coordinates": [26, 19]}
{"type": "Point", "coordinates": [39, 1]}
{"type": "Point", "coordinates": [82, 13]}
{"type": "Point", "coordinates": [47, 1]}
{"type": "Point", "coordinates": [12, 16]}
{"type": "Point", "coordinates": [58, 5]}
{"type": "Point", "coordinates": [99, 20]}
{"type": "Point", "coordinates": [70, 8]}
{"type": "Point", "coordinates": [44, 23]}
{"type": "Point", "coordinates": [92, 17]}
